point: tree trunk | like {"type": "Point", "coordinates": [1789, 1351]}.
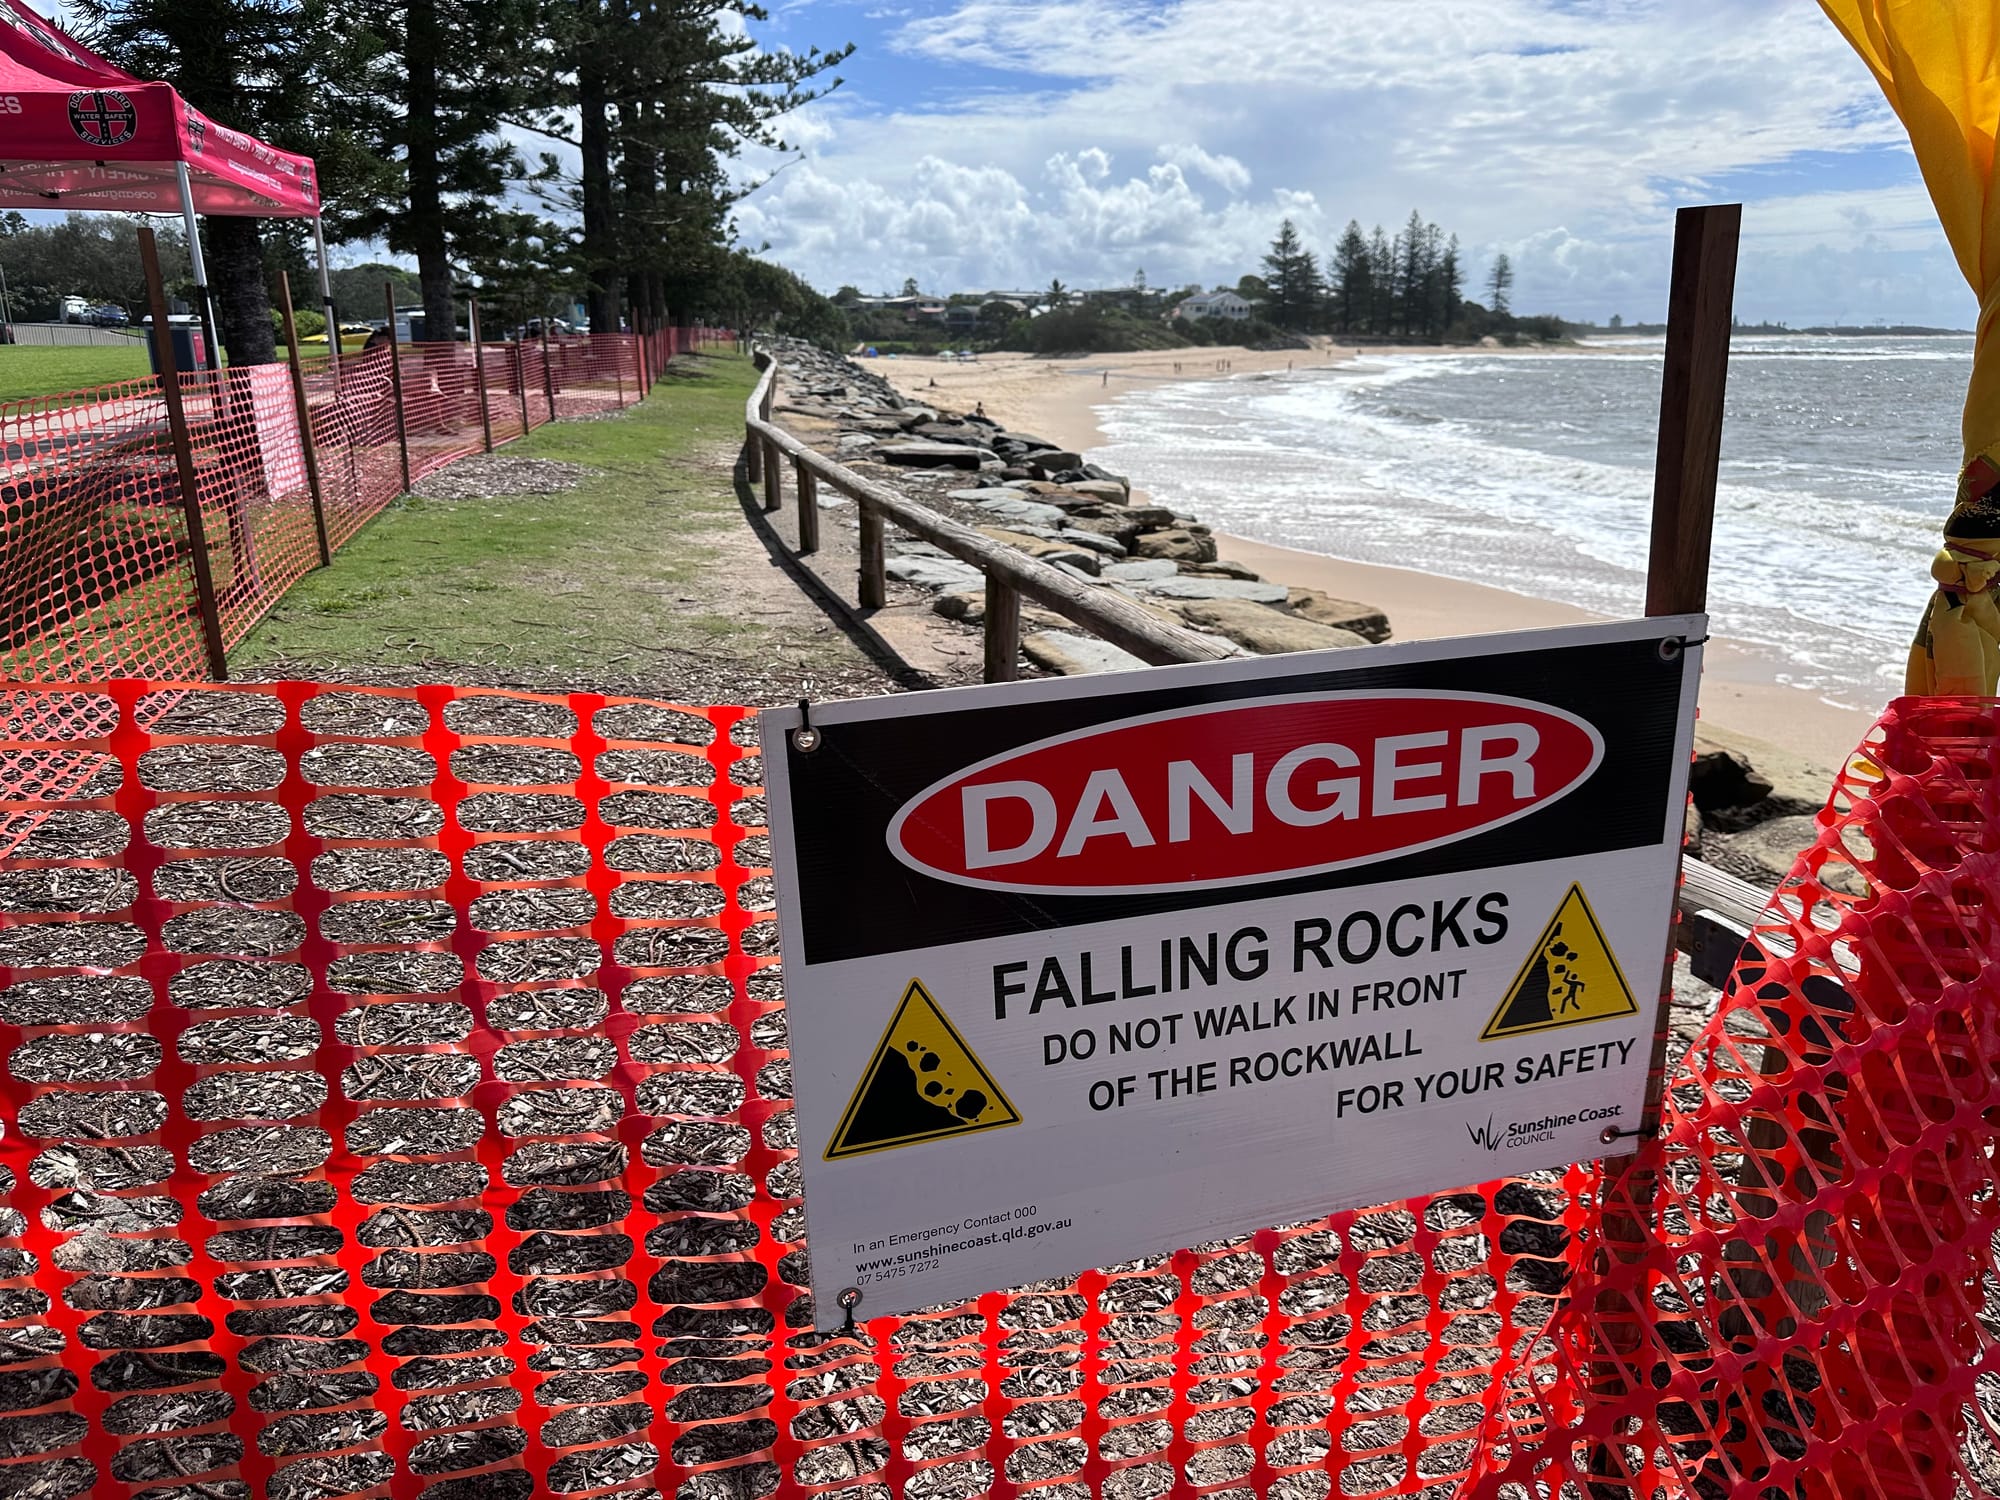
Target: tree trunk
{"type": "Point", "coordinates": [424, 226]}
{"type": "Point", "coordinates": [235, 256]}
{"type": "Point", "coordinates": [600, 253]}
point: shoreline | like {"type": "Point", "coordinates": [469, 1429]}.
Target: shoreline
{"type": "Point", "coordinates": [1059, 400]}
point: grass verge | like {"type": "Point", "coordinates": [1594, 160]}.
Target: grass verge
{"type": "Point", "coordinates": [649, 557]}
{"type": "Point", "coordinates": [39, 370]}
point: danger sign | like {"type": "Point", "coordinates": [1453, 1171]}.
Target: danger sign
{"type": "Point", "coordinates": [1087, 969]}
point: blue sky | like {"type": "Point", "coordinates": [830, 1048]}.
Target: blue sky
{"type": "Point", "coordinates": [997, 143]}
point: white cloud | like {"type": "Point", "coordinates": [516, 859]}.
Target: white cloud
{"type": "Point", "coordinates": [1174, 134]}
{"type": "Point", "coordinates": [1226, 172]}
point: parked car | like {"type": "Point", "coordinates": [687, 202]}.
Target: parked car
{"type": "Point", "coordinates": [110, 315]}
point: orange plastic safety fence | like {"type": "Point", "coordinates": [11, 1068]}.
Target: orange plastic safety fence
{"type": "Point", "coordinates": [354, 433]}
{"type": "Point", "coordinates": [97, 576]}
{"type": "Point", "coordinates": [94, 560]}
{"type": "Point", "coordinates": [251, 477]}
{"type": "Point", "coordinates": [397, 1103]}
{"type": "Point", "coordinates": [1802, 1298]}
{"type": "Point", "coordinates": [504, 388]}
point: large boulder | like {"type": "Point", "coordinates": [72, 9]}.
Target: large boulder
{"type": "Point", "coordinates": [1790, 785]}
{"type": "Point", "coordinates": [1224, 567]}
{"type": "Point", "coordinates": [1014, 508]}
{"type": "Point", "coordinates": [1080, 558]}
{"type": "Point", "coordinates": [1111, 491]}
{"type": "Point", "coordinates": [1764, 855]}
{"type": "Point", "coordinates": [953, 432]}
{"type": "Point", "coordinates": [936, 455]}
{"type": "Point", "coordinates": [915, 416]}
{"type": "Point", "coordinates": [1259, 628]}
{"type": "Point", "coordinates": [1176, 546]}
{"type": "Point", "coordinates": [933, 572]}
{"type": "Point", "coordinates": [1365, 620]}
{"type": "Point", "coordinates": [968, 606]}
{"type": "Point", "coordinates": [1106, 546]}
{"type": "Point", "coordinates": [1145, 517]}
{"type": "Point", "coordinates": [1055, 461]}
{"type": "Point", "coordinates": [1721, 779]}
{"type": "Point", "coordinates": [1183, 587]}
{"type": "Point", "coordinates": [1141, 570]}
{"type": "Point", "coordinates": [1075, 655]}
{"type": "Point", "coordinates": [986, 492]}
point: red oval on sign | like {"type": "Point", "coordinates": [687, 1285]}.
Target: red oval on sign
{"type": "Point", "coordinates": [1219, 795]}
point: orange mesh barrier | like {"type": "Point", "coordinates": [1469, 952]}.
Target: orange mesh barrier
{"type": "Point", "coordinates": [397, 1103]}
{"type": "Point", "coordinates": [97, 577]}
{"type": "Point", "coordinates": [354, 433]}
{"type": "Point", "coordinates": [1802, 1299]}
{"type": "Point", "coordinates": [94, 560]}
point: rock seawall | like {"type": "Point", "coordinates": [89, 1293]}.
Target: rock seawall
{"type": "Point", "coordinates": [1048, 503]}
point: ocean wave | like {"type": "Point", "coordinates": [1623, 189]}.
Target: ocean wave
{"type": "Point", "coordinates": [1533, 474]}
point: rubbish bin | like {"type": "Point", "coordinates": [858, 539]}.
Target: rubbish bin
{"type": "Point", "coordinates": [190, 348]}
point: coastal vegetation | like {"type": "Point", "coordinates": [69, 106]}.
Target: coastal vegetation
{"type": "Point", "coordinates": [1368, 287]}
{"type": "Point", "coordinates": [540, 152]}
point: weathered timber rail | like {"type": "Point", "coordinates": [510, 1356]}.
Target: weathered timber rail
{"type": "Point", "coordinates": [1010, 575]}
{"type": "Point", "coordinates": [1717, 909]}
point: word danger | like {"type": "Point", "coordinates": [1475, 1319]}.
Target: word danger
{"type": "Point", "coordinates": [1214, 796]}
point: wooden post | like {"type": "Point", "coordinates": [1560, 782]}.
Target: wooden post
{"type": "Point", "coordinates": [808, 485]}
{"type": "Point", "coordinates": [774, 477]}
{"type": "Point", "coordinates": [1003, 630]}
{"type": "Point", "coordinates": [753, 445]}
{"type": "Point", "coordinates": [183, 445]}
{"type": "Point", "coordinates": [396, 383]}
{"type": "Point", "coordinates": [874, 589]}
{"type": "Point", "coordinates": [521, 379]}
{"type": "Point", "coordinates": [305, 416]}
{"type": "Point", "coordinates": [548, 371]}
{"type": "Point", "coordinates": [1699, 307]}
{"type": "Point", "coordinates": [479, 374]}
{"type": "Point", "coordinates": [642, 356]}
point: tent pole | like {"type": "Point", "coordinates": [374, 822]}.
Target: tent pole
{"type": "Point", "coordinates": [326, 300]}
{"type": "Point", "coordinates": [200, 266]}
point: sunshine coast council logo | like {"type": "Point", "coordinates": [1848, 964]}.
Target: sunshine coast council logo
{"type": "Point", "coordinates": [197, 130]}
{"type": "Point", "coordinates": [102, 117]}
{"type": "Point", "coordinates": [1486, 1135]}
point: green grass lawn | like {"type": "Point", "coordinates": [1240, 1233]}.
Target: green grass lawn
{"type": "Point", "coordinates": [31, 370]}
{"type": "Point", "coordinates": [39, 370]}
{"type": "Point", "coordinates": [597, 581]}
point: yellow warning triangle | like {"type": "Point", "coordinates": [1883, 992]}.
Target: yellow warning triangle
{"type": "Point", "coordinates": [1570, 978]}
{"type": "Point", "coordinates": [922, 1084]}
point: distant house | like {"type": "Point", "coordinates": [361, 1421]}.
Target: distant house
{"type": "Point", "coordinates": [961, 317]}
{"type": "Point", "coordinates": [1225, 305]}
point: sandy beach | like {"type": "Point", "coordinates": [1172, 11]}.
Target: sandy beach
{"type": "Point", "coordinates": [1058, 399]}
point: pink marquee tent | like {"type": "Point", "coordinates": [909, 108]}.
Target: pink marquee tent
{"type": "Point", "coordinates": [76, 132]}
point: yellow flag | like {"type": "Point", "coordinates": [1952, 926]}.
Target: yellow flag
{"type": "Point", "coordinates": [1938, 61]}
